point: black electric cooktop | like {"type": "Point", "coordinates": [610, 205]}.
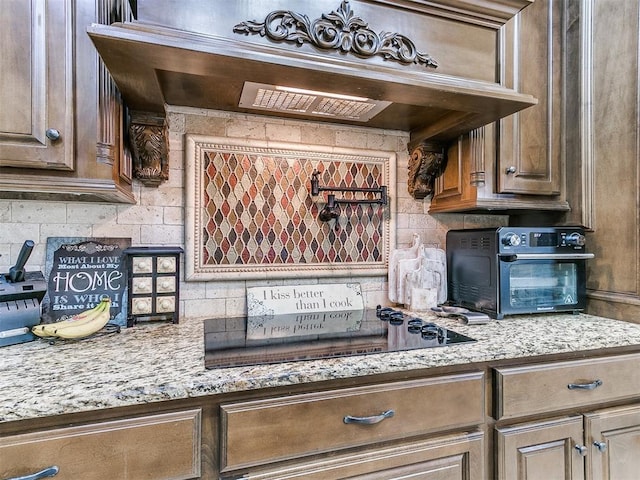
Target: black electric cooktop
{"type": "Point", "coordinates": [305, 336]}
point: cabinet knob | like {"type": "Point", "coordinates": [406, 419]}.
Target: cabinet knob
{"type": "Point", "coordinates": [582, 450]}
{"type": "Point", "coordinates": [46, 473]}
{"type": "Point", "coordinates": [601, 446]}
{"type": "Point", "coordinates": [52, 134]}
{"type": "Point", "coordinates": [510, 170]}
{"type": "Point", "coordinates": [167, 264]}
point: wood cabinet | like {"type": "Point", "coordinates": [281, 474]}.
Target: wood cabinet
{"type": "Point", "coordinates": [453, 457]}
{"type": "Point", "coordinates": [258, 435]}
{"type": "Point", "coordinates": [563, 419]}
{"type": "Point", "coordinates": [424, 428]}
{"type": "Point", "coordinates": [550, 420]}
{"type": "Point", "coordinates": [599, 445]}
{"type": "Point", "coordinates": [36, 118]}
{"type": "Point", "coordinates": [548, 387]}
{"type": "Point", "coordinates": [540, 450]}
{"type": "Point", "coordinates": [163, 446]}
{"type": "Point", "coordinates": [612, 437]}
{"type": "Point", "coordinates": [604, 106]}
{"type": "Point", "coordinates": [61, 117]}
{"type": "Point", "coordinates": [587, 442]}
{"type": "Point", "coordinates": [516, 163]}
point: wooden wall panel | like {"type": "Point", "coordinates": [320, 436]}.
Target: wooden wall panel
{"type": "Point", "coordinates": [613, 274]}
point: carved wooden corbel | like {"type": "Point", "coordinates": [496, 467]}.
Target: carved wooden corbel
{"type": "Point", "coordinates": [148, 137]}
{"type": "Point", "coordinates": [427, 162]}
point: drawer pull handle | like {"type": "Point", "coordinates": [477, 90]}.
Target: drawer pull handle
{"type": "Point", "coordinates": [585, 386]}
{"type": "Point", "coordinates": [601, 446]}
{"type": "Point", "coordinates": [582, 450]}
{"type": "Point", "coordinates": [46, 473]}
{"type": "Point", "coordinates": [369, 420]}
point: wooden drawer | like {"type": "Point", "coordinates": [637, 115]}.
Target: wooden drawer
{"type": "Point", "coordinates": [457, 456]}
{"type": "Point", "coordinates": [165, 446]}
{"type": "Point", "coordinates": [264, 431]}
{"type": "Point", "coordinates": [542, 388]}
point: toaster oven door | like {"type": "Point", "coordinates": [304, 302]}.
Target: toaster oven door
{"type": "Point", "coordinates": [530, 284]}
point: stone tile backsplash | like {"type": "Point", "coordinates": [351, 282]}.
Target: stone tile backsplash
{"type": "Point", "coordinates": [158, 216]}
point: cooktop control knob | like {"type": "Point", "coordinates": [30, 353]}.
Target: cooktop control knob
{"type": "Point", "coordinates": [575, 239]}
{"type": "Point", "coordinates": [511, 239]}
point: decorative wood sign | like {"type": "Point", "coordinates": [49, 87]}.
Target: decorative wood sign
{"type": "Point", "coordinates": [80, 272]}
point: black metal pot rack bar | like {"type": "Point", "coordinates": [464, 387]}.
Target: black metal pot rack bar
{"type": "Point", "coordinates": [316, 188]}
{"type": "Point", "coordinates": [331, 210]}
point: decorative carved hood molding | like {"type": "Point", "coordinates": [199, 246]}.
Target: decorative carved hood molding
{"type": "Point", "coordinates": [436, 69]}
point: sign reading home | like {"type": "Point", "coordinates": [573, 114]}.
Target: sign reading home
{"type": "Point", "coordinates": [81, 272]}
{"type": "Point", "coordinates": [300, 299]}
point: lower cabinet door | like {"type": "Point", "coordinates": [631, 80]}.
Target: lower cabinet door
{"type": "Point", "coordinates": [454, 457]}
{"type": "Point", "coordinates": [613, 438]}
{"type": "Point", "coordinates": [156, 447]}
{"type": "Point", "coordinates": [542, 450]}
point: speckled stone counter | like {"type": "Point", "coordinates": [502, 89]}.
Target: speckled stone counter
{"type": "Point", "coordinates": [162, 361]}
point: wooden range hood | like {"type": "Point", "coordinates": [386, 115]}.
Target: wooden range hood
{"type": "Point", "coordinates": [442, 76]}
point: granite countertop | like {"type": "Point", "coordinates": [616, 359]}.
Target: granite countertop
{"type": "Point", "coordinates": [162, 361]}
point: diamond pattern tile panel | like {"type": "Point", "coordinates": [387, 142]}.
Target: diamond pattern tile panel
{"type": "Point", "coordinates": [258, 211]}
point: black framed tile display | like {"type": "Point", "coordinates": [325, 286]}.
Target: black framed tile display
{"type": "Point", "coordinates": [154, 283]}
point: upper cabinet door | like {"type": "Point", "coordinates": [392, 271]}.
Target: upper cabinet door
{"type": "Point", "coordinates": [529, 155]}
{"type": "Point", "coordinates": [36, 84]}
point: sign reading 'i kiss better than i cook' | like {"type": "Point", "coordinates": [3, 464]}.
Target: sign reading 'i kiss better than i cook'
{"type": "Point", "coordinates": [304, 299]}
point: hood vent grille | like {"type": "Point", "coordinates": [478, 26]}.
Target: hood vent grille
{"type": "Point", "coordinates": [273, 98]}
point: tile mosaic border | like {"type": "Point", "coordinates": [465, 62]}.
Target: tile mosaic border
{"type": "Point", "coordinates": [197, 147]}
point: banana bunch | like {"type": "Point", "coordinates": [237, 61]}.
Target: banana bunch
{"type": "Point", "coordinates": [81, 325]}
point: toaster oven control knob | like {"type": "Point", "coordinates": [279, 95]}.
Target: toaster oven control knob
{"type": "Point", "coordinates": [575, 239]}
{"type": "Point", "coordinates": [511, 239]}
